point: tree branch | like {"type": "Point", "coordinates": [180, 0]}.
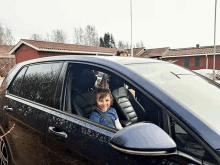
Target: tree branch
{"type": "Point", "coordinates": [8, 131]}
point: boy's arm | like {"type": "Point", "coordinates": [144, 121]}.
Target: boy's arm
{"type": "Point", "coordinates": [117, 122]}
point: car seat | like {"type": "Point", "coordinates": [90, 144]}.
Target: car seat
{"type": "Point", "coordinates": [82, 92]}
{"type": "Point", "coordinates": [124, 101]}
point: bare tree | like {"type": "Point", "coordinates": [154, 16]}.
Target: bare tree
{"type": "Point", "coordinates": [120, 45]}
{"type": "Point", "coordinates": [59, 36]}
{"type": "Point", "coordinates": [140, 44]}
{"type": "Point", "coordinates": [91, 37]}
{"type": "Point", "coordinates": [36, 37]}
{"type": "Point", "coordinates": [127, 45]}
{"type": "Point", "coordinates": [87, 37]}
{"type": "Point", "coordinates": [47, 38]}
{"type": "Point", "coordinates": [1, 34]}
{"type": "Point", "coordinates": [81, 36]}
{"type": "Point", "coordinates": [123, 45]}
{"type": "Point", "coordinates": [6, 36]}
{"type": "Point", "coordinates": [78, 36]}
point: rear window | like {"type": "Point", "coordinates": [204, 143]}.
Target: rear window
{"type": "Point", "coordinates": [16, 84]}
{"type": "Point", "coordinates": [39, 83]}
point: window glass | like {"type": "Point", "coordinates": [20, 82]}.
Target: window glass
{"type": "Point", "coordinates": [186, 61]}
{"type": "Point", "coordinates": [153, 111]}
{"type": "Point", "coordinates": [16, 84]}
{"type": "Point", "coordinates": [197, 61]}
{"type": "Point", "coordinates": [187, 144]}
{"type": "Point", "coordinates": [39, 83]}
{"type": "Point", "coordinates": [209, 158]}
{"type": "Point", "coordinates": [185, 87]}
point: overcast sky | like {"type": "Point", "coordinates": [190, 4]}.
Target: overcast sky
{"type": "Point", "coordinates": [158, 23]}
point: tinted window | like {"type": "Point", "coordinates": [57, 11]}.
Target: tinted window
{"type": "Point", "coordinates": [153, 110]}
{"type": "Point", "coordinates": [186, 61]}
{"type": "Point", "coordinates": [16, 84]}
{"type": "Point", "coordinates": [185, 142]}
{"type": "Point", "coordinates": [39, 83]}
{"type": "Point", "coordinates": [197, 61]}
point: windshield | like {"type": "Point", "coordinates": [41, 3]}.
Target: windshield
{"type": "Point", "coordinates": [194, 92]}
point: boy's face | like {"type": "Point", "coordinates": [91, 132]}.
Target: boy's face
{"type": "Point", "coordinates": [104, 103]}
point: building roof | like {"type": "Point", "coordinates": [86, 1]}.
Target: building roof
{"type": "Point", "coordinates": [63, 48]}
{"type": "Point", "coordinates": [136, 51]}
{"type": "Point", "coordinates": [205, 50]}
{"type": "Point", "coordinates": [4, 49]}
{"type": "Point", "coordinates": [154, 52]}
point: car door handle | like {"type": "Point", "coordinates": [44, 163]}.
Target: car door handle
{"type": "Point", "coordinates": [8, 109]}
{"type": "Point", "coordinates": [57, 134]}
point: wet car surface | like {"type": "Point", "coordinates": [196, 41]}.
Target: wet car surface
{"type": "Point", "coordinates": [168, 120]}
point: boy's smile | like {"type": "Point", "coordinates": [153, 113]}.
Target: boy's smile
{"type": "Point", "coordinates": [104, 103]}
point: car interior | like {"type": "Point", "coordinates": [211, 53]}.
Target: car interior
{"type": "Point", "coordinates": [82, 82]}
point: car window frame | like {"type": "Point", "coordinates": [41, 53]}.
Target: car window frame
{"type": "Point", "coordinates": [27, 66]}
{"type": "Point", "coordinates": [61, 83]}
{"type": "Point", "coordinates": [143, 92]}
{"type": "Point", "coordinates": [63, 98]}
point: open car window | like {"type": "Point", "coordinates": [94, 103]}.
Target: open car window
{"type": "Point", "coordinates": [131, 105]}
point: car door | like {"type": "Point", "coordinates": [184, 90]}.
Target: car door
{"type": "Point", "coordinates": [28, 102]}
{"type": "Point", "coordinates": [76, 138]}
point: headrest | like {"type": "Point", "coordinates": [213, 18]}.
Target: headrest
{"type": "Point", "coordinates": [115, 82]}
{"type": "Point", "coordinates": [83, 79]}
{"type": "Point", "coordinates": [120, 92]}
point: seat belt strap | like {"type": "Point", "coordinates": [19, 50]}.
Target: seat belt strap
{"type": "Point", "coordinates": [106, 117]}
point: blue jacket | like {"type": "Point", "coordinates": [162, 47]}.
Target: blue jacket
{"type": "Point", "coordinates": [111, 113]}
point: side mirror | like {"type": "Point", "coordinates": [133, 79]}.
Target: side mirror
{"type": "Point", "coordinates": [144, 139]}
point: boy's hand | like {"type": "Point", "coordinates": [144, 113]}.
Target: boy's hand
{"type": "Point", "coordinates": [132, 91]}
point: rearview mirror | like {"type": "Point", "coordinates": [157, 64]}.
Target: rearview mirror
{"type": "Point", "coordinates": [144, 139]}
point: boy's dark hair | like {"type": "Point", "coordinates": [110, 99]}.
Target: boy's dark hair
{"type": "Point", "coordinates": [104, 93]}
{"type": "Point", "coordinates": [121, 51]}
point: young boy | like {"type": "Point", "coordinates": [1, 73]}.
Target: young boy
{"type": "Point", "coordinates": [103, 100]}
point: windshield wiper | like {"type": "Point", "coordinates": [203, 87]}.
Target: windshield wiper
{"type": "Point", "coordinates": [175, 75]}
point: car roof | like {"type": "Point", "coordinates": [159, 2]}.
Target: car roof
{"type": "Point", "coordinates": [117, 59]}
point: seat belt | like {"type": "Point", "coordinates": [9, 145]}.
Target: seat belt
{"type": "Point", "coordinates": [106, 117]}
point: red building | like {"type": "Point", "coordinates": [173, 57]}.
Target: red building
{"type": "Point", "coordinates": [193, 58]}
{"type": "Point", "coordinates": [31, 49]}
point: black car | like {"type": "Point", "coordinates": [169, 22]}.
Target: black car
{"type": "Point", "coordinates": [45, 106]}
